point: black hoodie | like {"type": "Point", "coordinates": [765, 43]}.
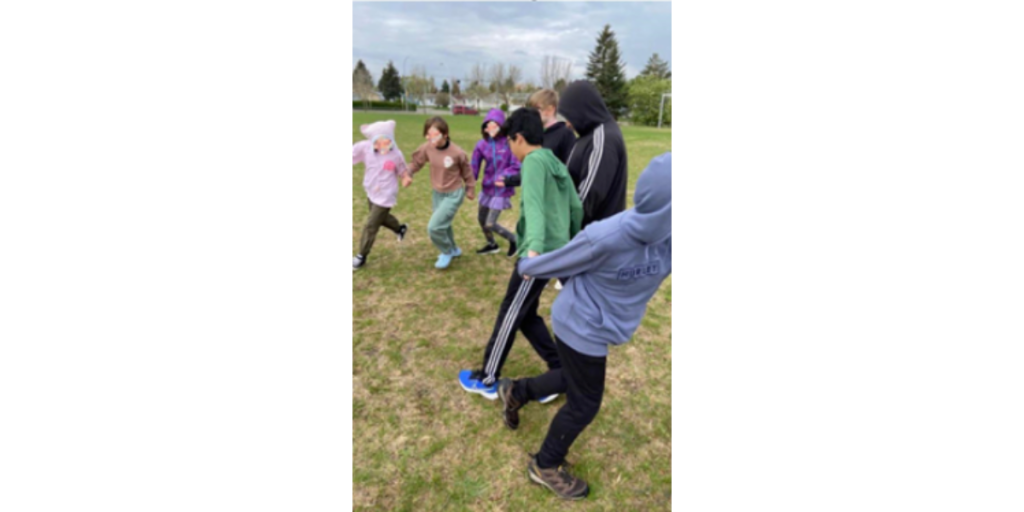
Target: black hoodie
{"type": "Point", "coordinates": [597, 163]}
{"type": "Point", "coordinates": [560, 139]}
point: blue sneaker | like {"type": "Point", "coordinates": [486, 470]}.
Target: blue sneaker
{"type": "Point", "coordinates": [471, 381]}
{"type": "Point", "coordinates": [443, 261]}
{"type": "Point", "coordinates": [457, 253]}
{"type": "Point", "coordinates": [548, 399]}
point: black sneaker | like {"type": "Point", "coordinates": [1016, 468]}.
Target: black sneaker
{"type": "Point", "coordinates": [490, 248]}
{"type": "Point", "coordinates": [401, 232]}
{"type": "Point", "coordinates": [511, 413]}
{"type": "Point", "coordinates": [559, 480]}
{"type": "Point", "coordinates": [512, 249]}
{"type": "Point", "coordinates": [358, 262]}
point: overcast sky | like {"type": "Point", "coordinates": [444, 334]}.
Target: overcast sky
{"type": "Point", "coordinates": [449, 37]}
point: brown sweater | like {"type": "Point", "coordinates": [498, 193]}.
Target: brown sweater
{"type": "Point", "coordinates": [449, 167]}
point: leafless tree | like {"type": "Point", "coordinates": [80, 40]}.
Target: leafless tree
{"type": "Point", "coordinates": [498, 77]}
{"type": "Point", "coordinates": [418, 85]}
{"type": "Point", "coordinates": [554, 69]}
{"type": "Point", "coordinates": [478, 74]}
{"type": "Point", "coordinates": [477, 91]}
{"type": "Point", "coordinates": [515, 74]}
{"type": "Point", "coordinates": [477, 83]}
{"type": "Point", "coordinates": [547, 72]}
{"type": "Point", "coordinates": [504, 80]}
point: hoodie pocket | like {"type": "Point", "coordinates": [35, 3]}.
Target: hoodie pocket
{"type": "Point", "coordinates": [590, 315]}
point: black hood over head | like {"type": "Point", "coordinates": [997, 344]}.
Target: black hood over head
{"type": "Point", "coordinates": [581, 104]}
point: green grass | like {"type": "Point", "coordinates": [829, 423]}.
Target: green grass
{"type": "Point", "coordinates": [422, 443]}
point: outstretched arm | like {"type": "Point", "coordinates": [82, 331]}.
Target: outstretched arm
{"type": "Point", "coordinates": [467, 176]}
{"type": "Point", "coordinates": [419, 159]}
{"type": "Point", "coordinates": [514, 180]}
{"type": "Point", "coordinates": [575, 257]}
{"type": "Point", "coordinates": [359, 151]}
{"type": "Point", "coordinates": [510, 176]}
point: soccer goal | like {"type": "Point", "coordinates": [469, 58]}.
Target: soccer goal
{"type": "Point", "coordinates": [661, 109]}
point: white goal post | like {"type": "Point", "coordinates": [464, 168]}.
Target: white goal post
{"type": "Point", "coordinates": [661, 109]}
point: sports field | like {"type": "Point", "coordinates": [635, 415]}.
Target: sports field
{"type": "Point", "coordinates": [422, 443]}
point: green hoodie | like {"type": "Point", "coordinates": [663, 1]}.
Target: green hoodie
{"type": "Point", "coordinates": [550, 211]}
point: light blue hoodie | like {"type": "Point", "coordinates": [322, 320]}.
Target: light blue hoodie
{"type": "Point", "coordinates": [615, 265]}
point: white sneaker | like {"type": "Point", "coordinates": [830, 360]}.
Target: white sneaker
{"type": "Point", "coordinates": [558, 284]}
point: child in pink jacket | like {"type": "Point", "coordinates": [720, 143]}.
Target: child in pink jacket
{"type": "Point", "coordinates": [384, 165]}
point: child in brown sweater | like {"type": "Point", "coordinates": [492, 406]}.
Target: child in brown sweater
{"type": "Point", "coordinates": [452, 181]}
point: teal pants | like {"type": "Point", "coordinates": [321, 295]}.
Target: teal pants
{"type": "Point", "coordinates": [446, 204]}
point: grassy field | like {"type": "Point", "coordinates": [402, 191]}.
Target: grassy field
{"type": "Point", "coordinates": [422, 443]}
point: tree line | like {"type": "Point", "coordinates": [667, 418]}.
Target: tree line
{"type": "Point", "coordinates": [638, 99]}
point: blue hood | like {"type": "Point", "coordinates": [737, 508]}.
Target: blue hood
{"type": "Point", "coordinates": [614, 267]}
{"type": "Point", "coordinates": [650, 219]}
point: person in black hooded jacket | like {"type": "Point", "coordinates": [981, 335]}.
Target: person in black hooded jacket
{"type": "Point", "coordinates": [597, 162]}
{"type": "Point", "coordinates": [558, 137]}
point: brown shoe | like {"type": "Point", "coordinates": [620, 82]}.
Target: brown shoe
{"type": "Point", "coordinates": [559, 480]}
{"type": "Point", "coordinates": [511, 413]}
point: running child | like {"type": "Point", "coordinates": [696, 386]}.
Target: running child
{"type": "Point", "coordinates": [493, 149]}
{"type": "Point", "coordinates": [616, 266]}
{"type": "Point", "coordinates": [550, 215]}
{"type": "Point", "coordinates": [558, 137]}
{"type": "Point", "coordinates": [452, 181]}
{"type": "Point", "coordinates": [597, 163]}
{"type": "Point", "coordinates": [384, 165]}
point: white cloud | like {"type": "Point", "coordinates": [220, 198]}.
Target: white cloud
{"type": "Point", "coordinates": [448, 38]}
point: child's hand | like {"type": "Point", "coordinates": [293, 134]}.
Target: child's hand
{"type": "Point", "coordinates": [500, 183]}
{"type": "Point", "coordinates": [406, 181]}
{"type": "Point", "coordinates": [471, 195]}
{"type": "Point", "coordinates": [532, 254]}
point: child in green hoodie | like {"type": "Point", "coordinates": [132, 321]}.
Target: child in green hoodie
{"type": "Point", "coordinates": [550, 215]}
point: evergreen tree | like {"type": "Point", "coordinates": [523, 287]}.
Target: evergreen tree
{"type": "Point", "coordinates": [560, 84]}
{"type": "Point", "coordinates": [606, 71]}
{"type": "Point", "coordinates": [390, 85]}
{"type": "Point", "coordinates": [456, 90]}
{"type": "Point", "coordinates": [444, 87]}
{"type": "Point", "coordinates": [656, 68]}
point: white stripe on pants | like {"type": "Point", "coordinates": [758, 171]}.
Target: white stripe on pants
{"type": "Point", "coordinates": [503, 335]}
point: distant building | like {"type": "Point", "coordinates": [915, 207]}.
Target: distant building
{"type": "Point", "coordinates": [373, 96]}
{"type": "Point", "coordinates": [492, 100]}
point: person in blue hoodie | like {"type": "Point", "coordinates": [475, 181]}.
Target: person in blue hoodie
{"type": "Point", "coordinates": [614, 267]}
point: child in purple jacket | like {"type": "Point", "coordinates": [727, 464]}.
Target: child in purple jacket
{"type": "Point", "coordinates": [493, 149]}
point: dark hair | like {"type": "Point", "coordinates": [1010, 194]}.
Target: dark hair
{"type": "Point", "coordinates": [437, 122]}
{"type": "Point", "coordinates": [483, 129]}
{"type": "Point", "coordinates": [526, 123]}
